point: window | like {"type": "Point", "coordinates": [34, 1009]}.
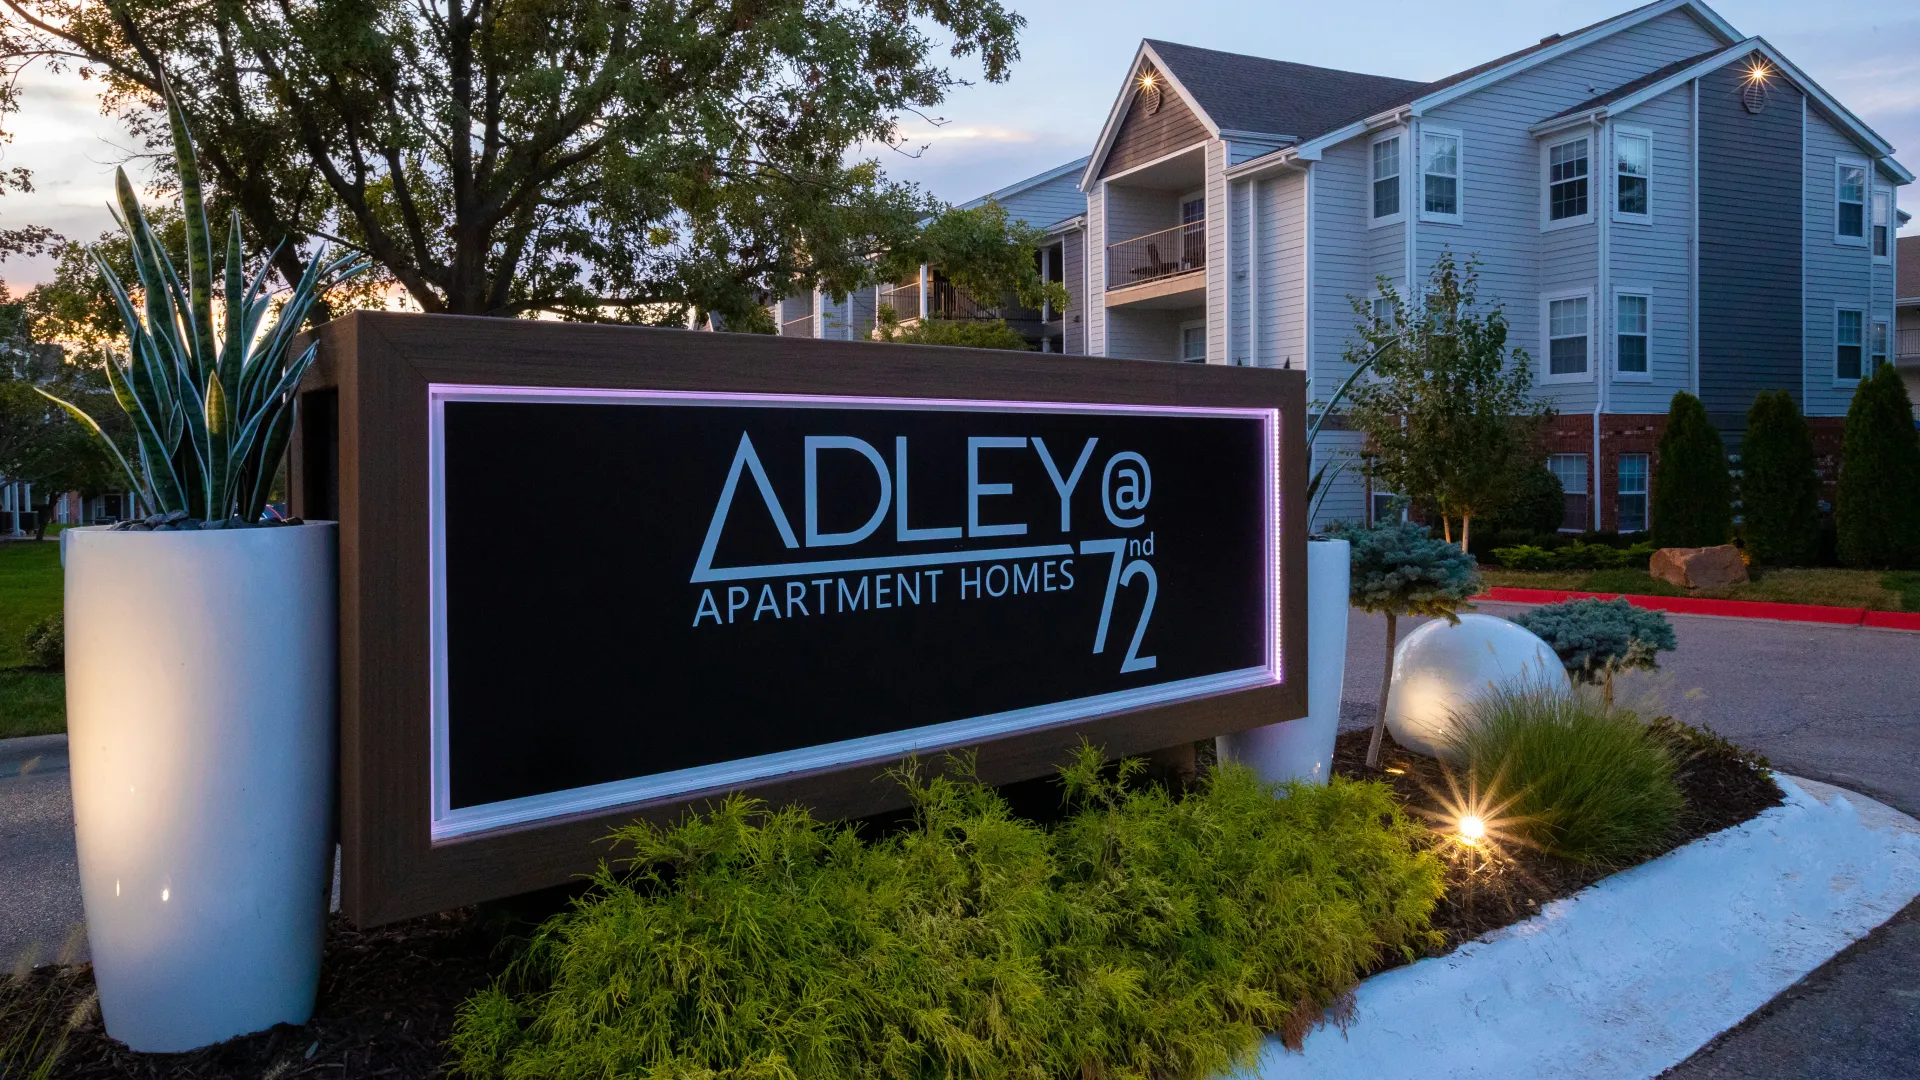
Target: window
{"type": "Point", "coordinates": [1631, 330]}
{"type": "Point", "coordinates": [1878, 354]}
{"type": "Point", "coordinates": [1381, 309]}
{"type": "Point", "coordinates": [1571, 469]}
{"type": "Point", "coordinates": [1193, 342]}
{"type": "Point", "coordinates": [1846, 341]}
{"type": "Point", "coordinates": [1387, 506]}
{"type": "Point", "coordinates": [1386, 179]}
{"type": "Point", "coordinates": [1567, 180]}
{"type": "Point", "coordinates": [1850, 202]}
{"type": "Point", "coordinates": [1567, 335]}
{"type": "Point", "coordinates": [1440, 175]}
{"type": "Point", "coordinates": [1882, 225]}
{"type": "Point", "coordinates": [1632, 504]}
{"type": "Point", "coordinates": [1633, 174]}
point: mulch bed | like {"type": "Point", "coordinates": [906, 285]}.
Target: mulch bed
{"type": "Point", "coordinates": [1488, 889]}
{"type": "Point", "coordinates": [388, 995]}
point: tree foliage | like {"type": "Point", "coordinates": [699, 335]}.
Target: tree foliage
{"type": "Point", "coordinates": [613, 159]}
{"type": "Point", "coordinates": [38, 444]}
{"type": "Point", "coordinates": [1598, 639]}
{"type": "Point", "coordinates": [1692, 487]}
{"type": "Point", "coordinates": [966, 333]}
{"type": "Point", "coordinates": [1447, 409]}
{"type": "Point", "coordinates": [1877, 510]}
{"type": "Point", "coordinates": [1535, 502]}
{"type": "Point", "coordinates": [1779, 487]}
{"type": "Point", "coordinates": [1399, 569]}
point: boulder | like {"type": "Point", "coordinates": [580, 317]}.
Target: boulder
{"type": "Point", "coordinates": [1699, 568]}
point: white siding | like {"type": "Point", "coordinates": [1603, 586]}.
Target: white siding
{"type": "Point", "coordinates": [1835, 273]}
{"type": "Point", "coordinates": [1217, 221]}
{"type": "Point", "coordinates": [1096, 255]}
{"type": "Point", "coordinates": [1656, 256]}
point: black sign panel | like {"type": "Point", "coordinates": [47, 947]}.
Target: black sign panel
{"type": "Point", "coordinates": [640, 594]}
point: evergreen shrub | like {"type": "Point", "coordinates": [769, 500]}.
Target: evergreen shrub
{"type": "Point", "coordinates": [1692, 487]}
{"type": "Point", "coordinates": [1877, 510]}
{"type": "Point", "coordinates": [1143, 936]}
{"type": "Point", "coordinates": [1569, 774]}
{"type": "Point", "coordinates": [1779, 487]}
{"type": "Point", "coordinates": [1575, 555]}
{"type": "Point", "coordinates": [1598, 639]}
{"type": "Point", "coordinates": [1536, 502]}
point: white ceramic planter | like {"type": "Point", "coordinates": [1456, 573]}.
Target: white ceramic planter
{"type": "Point", "coordinates": [1303, 749]}
{"type": "Point", "coordinates": [201, 692]}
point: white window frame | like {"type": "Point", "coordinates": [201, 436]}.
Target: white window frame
{"type": "Point", "coordinates": [1865, 329]}
{"type": "Point", "coordinates": [1613, 319]}
{"type": "Point", "coordinates": [1645, 492]}
{"type": "Point", "coordinates": [1844, 161]}
{"type": "Point", "coordinates": [1585, 492]}
{"type": "Point", "coordinates": [1400, 215]}
{"type": "Point", "coordinates": [1547, 147]}
{"type": "Point", "coordinates": [1881, 201]}
{"type": "Point", "coordinates": [1625, 131]}
{"type": "Point", "coordinates": [1459, 174]}
{"type": "Point", "coordinates": [1193, 324]}
{"type": "Point", "coordinates": [1546, 335]}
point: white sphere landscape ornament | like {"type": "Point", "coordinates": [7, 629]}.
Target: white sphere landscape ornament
{"type": "Point", "coordinates": [1440, 668]}
{"type": "Point", "coordinates": [200, 716]}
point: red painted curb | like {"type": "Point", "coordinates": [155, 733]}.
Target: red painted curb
{"type": "Point", "coordinates": [1736, 609]}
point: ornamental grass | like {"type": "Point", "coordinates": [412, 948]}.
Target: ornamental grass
{"type": "Point", "coordinates": [1141, 936]}
{"type": "Point", "coordinates": [1574, 776]}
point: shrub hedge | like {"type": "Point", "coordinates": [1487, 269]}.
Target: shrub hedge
{"type": "Point", "coordinates": [1877, 509]}
{"type": "Point", "coordinates": [1692, 487]}
{"type": "Point", "coordinates": [1143, 936]}
{"type": "Point", "coordinates": [1779, 487]}
{"type": "Point", "coordinates": [1575, 556]}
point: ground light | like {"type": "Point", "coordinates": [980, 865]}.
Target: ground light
{"type": "Point", "coordinates": [1472, 829]}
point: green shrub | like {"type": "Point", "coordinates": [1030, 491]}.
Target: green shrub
{"type": "Point", "coordinates": [1578, 778]}
{"type": "Point", "coordinates": [1877, 509]}
{"type": "Point", "coordinates": [1535, 500]}
{"type": "Point", "coordinates": [1779, 487]}
{"type": "Point", "coordinates": [1597, 639]}
{"type": "Point", "coordinates": [967, 333]}
{"type": "Point", "coordinates": [1574, 555]}
{"type": "Point", "coordinates": [1524, 557]}
{"type": "Point", "coordinates": [1692, 488]}
{"type": "Point", "coordinates": [1142, 937]}
{"type": "Point", "coordinates": [46, 643]}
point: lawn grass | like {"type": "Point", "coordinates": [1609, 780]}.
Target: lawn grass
{"type": "Point", "coordinates": [1874, 589]}
{"type": "Point", "coordinates": [31, 702]}
{"type": "Point", "coordinates": [30, 590]}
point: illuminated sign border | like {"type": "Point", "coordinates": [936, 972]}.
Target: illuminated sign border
{"type": "Point", "coordinates": [448, 824]}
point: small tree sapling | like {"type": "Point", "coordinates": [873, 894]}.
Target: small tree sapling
{"type": "Point", "coordinates": [1398, 569]}
{"type": "Point", "coordinates": [1597, 639]}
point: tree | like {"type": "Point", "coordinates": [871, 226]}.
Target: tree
{"type": "Point", "coordinates": [1598, 639]}
{"type": "Point", "coordinates": [967, 333]}
{"type": "Point", "coordinates": [1445, 411]}
{"type": "Point", "coordinates": [1692, 487]}
{"type": "Point", "coordinates": [637, 160]}
{"type": "Point", "coordinates": [1535, 501]}
{"type": "Point", "coordinates": [1779, 488]}
{"type": "Point", "coordinates": [1399, 569]}
{"type": "Point", "coordinates": [42, 447]}
{"type": "Point", "coordinates": [1877, 511]}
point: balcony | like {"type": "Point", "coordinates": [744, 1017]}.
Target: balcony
{"type": "Point", "coordinates": [1164, 269]}
{"type": "Point", "coordinates": [800, 327]}
{"type": "Point", "coordinates": [1906, 347]}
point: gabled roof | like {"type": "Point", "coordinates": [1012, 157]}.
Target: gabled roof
{"type": "Point", "coordinates": [1646, 88]}
{"type": "Point", "coordinates": [1273, 97]}
{"type": "Point", "coordinates": [1028, 184]}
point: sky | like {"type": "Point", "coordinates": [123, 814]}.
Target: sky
{"type": "Point", "coordinates": [1866, 53]}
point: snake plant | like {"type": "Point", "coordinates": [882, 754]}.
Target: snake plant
{"type": "Point", "coordinates": [211, 403]}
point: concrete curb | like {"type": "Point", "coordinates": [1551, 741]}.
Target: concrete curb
{"type": "Point", "coordinates": [1737, 609]}
{"type": "Point", "coordinates": [1632, 975]}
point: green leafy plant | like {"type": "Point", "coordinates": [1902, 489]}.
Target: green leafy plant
{"type": "Point", "coordinates": [211, 403]}
{"type": "Point", "coordinates": [1398, 569]}
{"type": "Point", "coordinates": [1575, 777]}
{"type": "Point", "coordinates": [966, 333]}
{"type": "Point", "coordinates": [45, 643]}
{"type": "Point", "coordinates": [1877, 509]}
{"type": "Point", "coordinates": [1779, 487]}
{"type": "Point", "coordinates": [1692, 488]}
{"type": "Point", "coordinates": [1447, 408]}
{"type": "Point", "coordinates": [1535, 500]}
{"type": "Point", "coordinates": [1577, 555]}
{"type": "Point", "coordinates": [1144, 936]}
{"type": "Point", "coordinates": [1597, 639]}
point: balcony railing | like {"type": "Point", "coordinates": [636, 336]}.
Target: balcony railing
{"type": "Point", "coordinates": [1906, 346]}
{"type": "Point", "coordinates": [800, 327]}
{"type": "Point", "coordinates": [903, 298]}
{"type": "Point", "coordinates": [1164, 254]}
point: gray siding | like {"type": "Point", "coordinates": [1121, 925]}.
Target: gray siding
{"type": "Point", "coordinates": [1750, 249]}
{"type": "Point", "coordinates": [1280, 245]}
{"type": "Point", "coordinates": [1143, 137]}
{"type": "Point", "coordinates": [1342, 265]}
{"type": "Point", "coordinates": [1096, 256]}
{"type": "Point", "coordinates": [1073, 272]}
{"type": "Point", "coordinates": [1838, 275]}
{"type": "Point", "coordinates": [1217, 253]}
{"type": "Point", "coordinates": [1654, 257]}
{"type": "Point", "coordinates": [1044, 204]}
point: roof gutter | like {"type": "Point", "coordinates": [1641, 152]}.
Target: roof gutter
{"type": "Point", "coordinates": [1287, 157]}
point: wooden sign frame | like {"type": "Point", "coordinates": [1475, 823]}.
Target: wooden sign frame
{"type": "Point", "coordinates": [360, 456]}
